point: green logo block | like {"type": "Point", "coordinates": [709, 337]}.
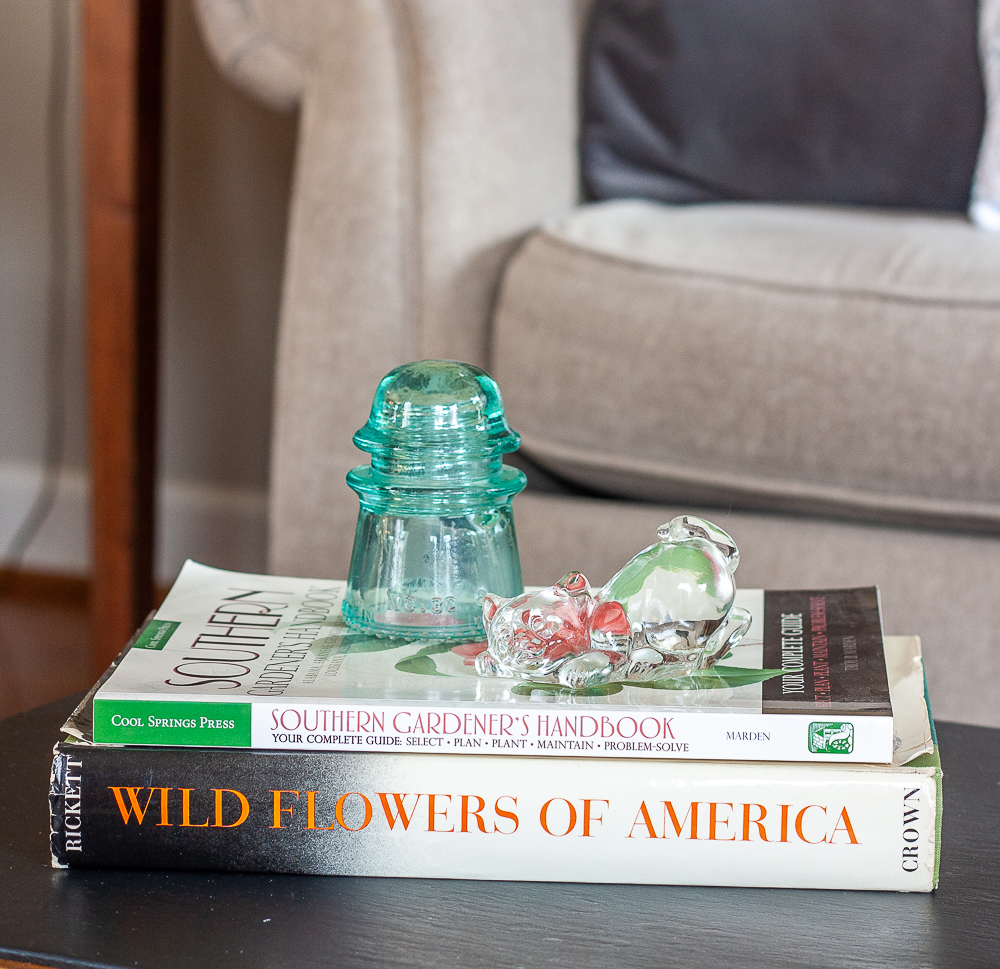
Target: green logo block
{"type": "Point", "coordinates": [156, 634]}
{"type": "Point", "coordinates": [171, 722]}
{"type": "Point", "coordinates": [831, 738]}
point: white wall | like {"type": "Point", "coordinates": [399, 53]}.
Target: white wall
{"type": "Point", "coordinates": [227, 175]}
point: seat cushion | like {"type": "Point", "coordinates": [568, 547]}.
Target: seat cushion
{"type": "Point", "coordinates": [780, 357]}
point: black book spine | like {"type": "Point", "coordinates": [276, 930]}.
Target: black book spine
{"type": "Point", "coordinates": [828, 645]}
{"type": "Point", "coordinates": [65, 817]}
{"type": "Point", "coordinates": [192, 808]}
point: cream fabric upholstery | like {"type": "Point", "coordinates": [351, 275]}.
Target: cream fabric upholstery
{"type": "Point", "coordinates": [768, 356]}
{"type": "Point", "coordinates": [435, 135]}
{"type": "Point", "coordinates": [783, 358]}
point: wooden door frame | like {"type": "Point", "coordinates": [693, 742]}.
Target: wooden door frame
{"type": "Point", "coordinates": [122, 134]}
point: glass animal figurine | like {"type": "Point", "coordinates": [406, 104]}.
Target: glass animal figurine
{"type": "Point", "coordinates": [669, 612]}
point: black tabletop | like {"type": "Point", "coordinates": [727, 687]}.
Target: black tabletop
{"type": "Point", "coordinates": [169, 919]}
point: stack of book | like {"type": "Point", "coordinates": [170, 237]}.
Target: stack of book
{"type": "Point", "coordinates": [246, 728]}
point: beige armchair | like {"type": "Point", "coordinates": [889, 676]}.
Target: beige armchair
{"type": "Point", "coordinates": [823, 383]}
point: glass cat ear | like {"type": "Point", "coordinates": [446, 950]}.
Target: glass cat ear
{"type": "Point", "coordinates": [575, 583]}
{"type": "Point", "coordinates": [490, 606]}
{"type": "Point", "coordinates": [686, 527]}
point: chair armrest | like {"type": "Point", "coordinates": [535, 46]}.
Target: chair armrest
{"type": "Point", "coordinates": [433, 135]}
{"type": "Point", "coordinates": [250, 53]}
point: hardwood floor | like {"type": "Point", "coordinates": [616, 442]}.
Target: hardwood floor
{"type": "Point", "coordinates": [45, 640]}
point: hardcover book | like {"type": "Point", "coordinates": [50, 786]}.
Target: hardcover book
{"type": "Point", "coordinates": [266, 662]}
{"type": "Point", "coordinates": [380, 812]}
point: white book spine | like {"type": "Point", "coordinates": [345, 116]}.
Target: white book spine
{"type": "Point", "coordinates": [550, 729]}
{"type": "Point", "coordinates": [507, 818]}
{"type": "Point", "coordinates": [636, 732]}
{"type": "Point", "coordinates": [640, 822]}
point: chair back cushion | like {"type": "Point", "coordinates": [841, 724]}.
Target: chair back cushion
{"type": "Point", "coordinates": [863, 102]}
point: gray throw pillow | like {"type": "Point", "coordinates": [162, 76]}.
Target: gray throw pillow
{"type": "Point", "coordinates": [856, 102]}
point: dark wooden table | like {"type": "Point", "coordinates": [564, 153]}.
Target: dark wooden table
{"type": "Point", "coordinates": [170, 919]}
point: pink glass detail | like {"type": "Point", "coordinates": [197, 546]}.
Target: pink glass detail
{"type": "Point", "coordinates": [668, 612]}
{"type": "Point", "coordinates": [563, 628]}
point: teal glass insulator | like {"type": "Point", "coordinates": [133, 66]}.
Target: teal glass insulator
{"type": "Point", "coordinates": [436, 528]}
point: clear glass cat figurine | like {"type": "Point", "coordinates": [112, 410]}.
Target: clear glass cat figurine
{"type": "Point", "coordinates": [669, 612]}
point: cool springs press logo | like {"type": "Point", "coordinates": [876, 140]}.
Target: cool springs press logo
{"type": "Point", "coordinates": [831, 738]}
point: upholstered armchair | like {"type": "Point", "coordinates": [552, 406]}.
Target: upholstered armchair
{"type": "Point", "coordinates": [823, 382]}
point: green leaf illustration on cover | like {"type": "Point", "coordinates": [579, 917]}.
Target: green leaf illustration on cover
{"type": "Point", "coordinates": [421, 662]}
{"type": "Point", "coordinates": [717, 678]}
{"type": "Point", "coordinates": [552, 689]}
